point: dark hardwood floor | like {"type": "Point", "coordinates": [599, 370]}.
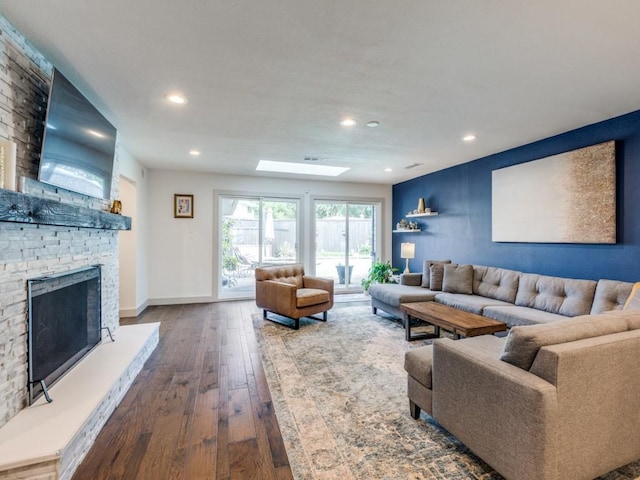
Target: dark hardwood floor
{"type": "Point", "coordinates": [200, 408]}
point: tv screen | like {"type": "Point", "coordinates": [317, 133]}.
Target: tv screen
{"type": "Point", "coordinates": [78, 144]}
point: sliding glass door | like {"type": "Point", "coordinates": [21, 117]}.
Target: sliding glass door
{"type": "Point", "coordinates": [345, 241]}
{"type": "Point", "coordinates": [254, 231]}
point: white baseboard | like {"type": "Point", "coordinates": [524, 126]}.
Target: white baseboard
{"type": "Point", "coordinates": [180, 300]}
{"type": "Point", "coordinates": [133, 312]}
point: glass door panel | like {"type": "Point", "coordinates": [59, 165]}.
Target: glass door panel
{"type": "Point", "coordinates": [344, 242]}
{"type": "Point", "coordinates": [360, 251]}
{"type": "Point", "coordinates": [254, 232]}
{"type": "Point", "coordinates": [280, 232]}
{"type": "Point", "coordinates": [331, 234]}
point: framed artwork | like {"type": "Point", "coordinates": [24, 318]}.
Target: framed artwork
{"type": "Point", "coordinates": [565, 198]}
{"type": "Point", "coordinates": [182, 206]}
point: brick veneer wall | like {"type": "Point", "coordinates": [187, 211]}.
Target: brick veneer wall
{"type": "Point", "coordinates": [28, 251]}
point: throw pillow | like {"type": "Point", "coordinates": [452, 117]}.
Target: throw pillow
{"type": "Point", "coordinates": [633, 302]}
{"type": "Point", "coordinates": [524, 341]}
{"type": "Point", "coordinates": [457, 279]}
{"type": "Point", "coordinates": [426, 274]}
{"type": "Point", "coordinates": [436, 273]}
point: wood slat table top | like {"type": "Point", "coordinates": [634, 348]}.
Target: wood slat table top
{"type": "Point", "coordinates": [449, 318]}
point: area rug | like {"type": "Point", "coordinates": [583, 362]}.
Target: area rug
{"type": "Point", "coordinates": [339, 391]}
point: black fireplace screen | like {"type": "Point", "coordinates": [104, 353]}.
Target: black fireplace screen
{"type": "Point", "coordinates": [64, 324]}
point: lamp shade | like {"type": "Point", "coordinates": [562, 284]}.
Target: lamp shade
{"type": "Point", "coordinates": [407, 250]}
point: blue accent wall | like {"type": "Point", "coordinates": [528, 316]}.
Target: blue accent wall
{"type": "Point", "coordinates": [462, 196]}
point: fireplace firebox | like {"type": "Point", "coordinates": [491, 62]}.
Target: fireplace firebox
{"type": "Point", "coordinates": [65, 323]}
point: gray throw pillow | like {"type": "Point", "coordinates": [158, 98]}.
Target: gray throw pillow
{"type": "Point", "coordinates": [436, 273]}
{"type": "Point", "coordinates": [426, 273]}
{"type": "Point", "coordinates": [458, 279]}
{"type": "Point", "coordinates": [524, 341]}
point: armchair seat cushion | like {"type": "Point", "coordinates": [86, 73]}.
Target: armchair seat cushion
{"type": "Point", "coordinates": [306, 297]}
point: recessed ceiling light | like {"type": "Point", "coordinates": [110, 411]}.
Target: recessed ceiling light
{"type": "Point", "coordinates": [388, 170]}
{"type": "Point", "coordinates": [373, 124]}
{"type": "Point", "coordinates": [469, 138]}
{"type": "Point", "coordinates": [177, 98]}
{"type": "Point", "coordinates": [348, 122]}
{"type": "Point", "coordinates": [195, 153]}
{"type": "Point", "coordinates": [300, 168]}
{"type": "Point", "coordinates": [95, 133]}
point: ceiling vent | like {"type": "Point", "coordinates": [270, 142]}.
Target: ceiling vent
{"type": "Point", "coordinates": [314, 159]}
{"type": "Point", "coordinates": [413, 165]}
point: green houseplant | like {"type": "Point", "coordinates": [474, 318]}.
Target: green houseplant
{"type": "Point", "coordinates": [380, 272]}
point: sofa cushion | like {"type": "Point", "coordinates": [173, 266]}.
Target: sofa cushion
{"type": "Point", "coordinates": [411, 279]}
{"type": "Point", "coordinates": [564, 296]}
{"type": "Point", "coordinates": [394, 294]}
{"type": "Point", "coordinates": [631, 316]}
{"type": "Point", "coordinates": [469, 303]}
{"type": "Point", "coordinates": [523, 342]}
{"type": "Point", "coordinates": [633, 302]}
{"type": "Point", "coordinates": [436, 274]}
{"type": "Point", "coordinates": [426, 271]}
{"type": "Point", "coordinates": [514, 316]}
{"type": "Point", "coordinates": [610, 295]}
{"type": "Point", "coordinates": [457, 279]}
{"type": "Point", "coordinates": [418, 363]}
{"type": "Point", "coordinates": [305, 297]}
{"type": "Point", "coordinates": [498, 283]}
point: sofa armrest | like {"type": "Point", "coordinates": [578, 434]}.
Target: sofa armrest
{"type": "Point", "coordinates": [276, 296]}
{"type": "Point", "coordinates": [411, 279]}
{"type": "Point", "coordinates": [317, 282]}
{"type": "Point", "coordinates": [505, 415]}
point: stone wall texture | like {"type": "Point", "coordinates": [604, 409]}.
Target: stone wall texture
{"type": "Point", "coordinates": [29, 251]}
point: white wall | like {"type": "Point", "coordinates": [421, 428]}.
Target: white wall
{"type": "Point", "coordinates": [183, 252]}
{"type": "Point", "coordinates": [128, 250]}
{"type": "Point", "coordinates": [135, 172]}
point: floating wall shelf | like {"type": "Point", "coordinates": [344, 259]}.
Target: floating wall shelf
{"type": "Point", "coordinates": [406, 230]}
{"type": "Point", "coordinates": [413, 215]}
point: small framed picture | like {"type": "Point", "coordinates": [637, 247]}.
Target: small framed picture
{"type": "Point", "coordinates": [182, 206]}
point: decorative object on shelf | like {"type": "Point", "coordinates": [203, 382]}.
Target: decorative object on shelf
{"type": "Point", "coordinates": [421, 207]}
{"type": "Point", "coordinates": [407, 251]}
{"type": "Point", "coordinates": [8, 151]}
{"type": "Point", "coordinates": [182, 205]}
{"type": "Point", "coordinates": [116, 207]}
{"type": "Point", "coordinates": [427, 213]}
{"type": "Point", "coordinates": [380, 272]}
{"type": "Point", "coordinates": [403, 225]}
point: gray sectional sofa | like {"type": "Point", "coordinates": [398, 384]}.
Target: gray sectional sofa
{"type": "Point", "coordinates": [550, 401]}
{"type": "Point", "coordinates": [510, 296]}
{"type": "Point", "coordinates": [557, 398]}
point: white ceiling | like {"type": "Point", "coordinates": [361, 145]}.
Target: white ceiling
{"type": "Point", "coordinates": [271, 79]}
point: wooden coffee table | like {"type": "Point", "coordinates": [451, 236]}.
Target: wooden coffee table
{"type": "Point", "coordinates": [459, 322]}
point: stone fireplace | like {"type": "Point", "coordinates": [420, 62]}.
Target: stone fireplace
{"type": "Point", "coordinates": [48, 231]}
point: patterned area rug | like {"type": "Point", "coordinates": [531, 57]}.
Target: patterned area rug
{"type": "Point", "coordinates": [339, 390]}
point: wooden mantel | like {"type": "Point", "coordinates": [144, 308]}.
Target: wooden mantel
{"type": "Point", "coordinates": [22, 208]}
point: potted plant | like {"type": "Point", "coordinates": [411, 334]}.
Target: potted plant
{"type": "Point", "coordinates": [380, 272]}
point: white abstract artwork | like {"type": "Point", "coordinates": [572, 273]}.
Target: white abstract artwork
{"type": "Point", "coordinates": [566, 198]}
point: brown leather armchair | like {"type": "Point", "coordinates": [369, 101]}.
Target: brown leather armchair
{"type": "Point", "coordinates": [287, 291]}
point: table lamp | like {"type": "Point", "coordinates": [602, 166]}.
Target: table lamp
{"type": "Point", "coordinates": [407, 251]}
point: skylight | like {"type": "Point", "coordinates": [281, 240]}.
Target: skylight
{"type": "Point", "coordinates": [300, 168]}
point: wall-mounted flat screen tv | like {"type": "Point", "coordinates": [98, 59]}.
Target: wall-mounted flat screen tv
{"type": "Point", "coordinates": [79, 143]}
